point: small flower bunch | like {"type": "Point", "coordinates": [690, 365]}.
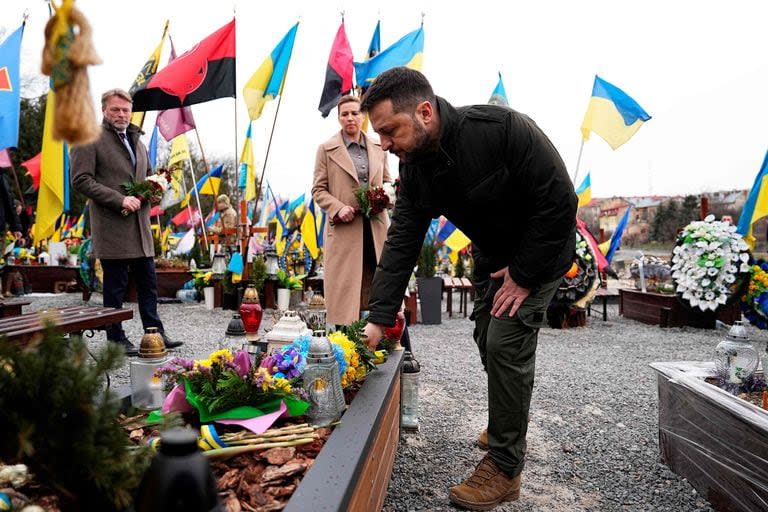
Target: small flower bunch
{"type": "Point", "coordinates": [287, 364]}
{"type": "Point", "coordinates": [709, 263]}
{"type": "Point", "coordinates": [150, 190]}
{"type": "Point", "coordinates": [374, 200]}
{"type": "Point", "coordinates": [291, 282]}
{"type": "Point", "coordinates": [355, 370]}
{"type": "Point", "coordinates": [291, 360]}
{"type": "Point", "coordinates": [754, 303]}
{"type": "Point", "coordinates": [202, 280]}
{"type": "Point", "coordinates": [224, 381]}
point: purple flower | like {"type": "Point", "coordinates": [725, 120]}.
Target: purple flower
{"type": "Point", "coordinates": [242, 363]}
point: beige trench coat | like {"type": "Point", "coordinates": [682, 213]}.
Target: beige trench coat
{"type": "Point", "coordinates": [334, 186]}
{"type": "Point", "coordinates": [98, 171]}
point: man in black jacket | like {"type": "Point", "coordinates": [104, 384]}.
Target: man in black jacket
{"type": "Point", "coordinates": [499, 179]}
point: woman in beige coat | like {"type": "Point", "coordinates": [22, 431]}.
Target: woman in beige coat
{"type": "Point", "coordinates": [353, 244]}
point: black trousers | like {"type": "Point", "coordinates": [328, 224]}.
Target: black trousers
{"type": "Point", "coordinates": [116, 282]}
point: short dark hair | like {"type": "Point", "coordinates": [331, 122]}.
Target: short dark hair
{"type": "Point", "coordinates": [404, 87]}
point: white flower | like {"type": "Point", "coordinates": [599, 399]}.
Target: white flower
{"type": "Point", "coordinates": [705, 282]}
{"type": "Point", "coordinates": [390, 191]}
{"type": "Point", "coordinates": [709, 295]}
{"type": "Point", "coordinates": [744, 268]}
{"type": "Point", "coordinates": [712, 271]}
{"type": "Point", "coordinates": [709, 218]}
{"type": "Point", "coordinates": [729, 278]}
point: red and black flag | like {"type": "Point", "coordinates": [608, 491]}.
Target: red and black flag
{"type": "Point", "coordinates": [338, 76]}
{"type": "Point", "coordinates": [204, 73]}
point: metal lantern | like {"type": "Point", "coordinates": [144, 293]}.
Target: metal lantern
{"type": "Point", "coordinates": [316, 314]}
{"type": "Point", "coordinates": [289, 328]}
{"type": "Point", "coordinates": [219, 265]}
{"type": "Point", "coordinates": [234, 336]}
{"type": "Point", "coordinates": [147, 390]}
{"type": "Point", "coordinates": [409, 392]}
{"type": "Point", "coordinates": [736, 357]}
{"type": "Point", "coordinates": [322, 383]}
{"type": "Point", "coordinates": [270, 259]}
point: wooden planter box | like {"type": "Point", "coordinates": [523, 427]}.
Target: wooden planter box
{"type": "Point", "coordinates": [717, 441]}
{"type": "Point", "coordinates": [169, 281]}
{"type": "Point", "coordinates": [353, 469]}
{"type": "Point", "coordinates": [45, 278]}
{"type": "Point", "coordinates": [667, 310]}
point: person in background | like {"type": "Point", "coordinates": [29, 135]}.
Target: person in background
{"type": "Point", "coordinates": [347, 161]}
{"type": "Point", "coordinates": [9, 218]}
{"type": "Point", "coordinates": [122, 242]}
{"type": "Point", "coordinates": [498, 178]}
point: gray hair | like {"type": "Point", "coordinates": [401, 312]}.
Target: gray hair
{"type": "Point", "coordinates": [120, 93]}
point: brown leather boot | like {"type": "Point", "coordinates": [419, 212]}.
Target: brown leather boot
{"type": "Point", "coordinates": [487, 487]}
{"type": "Point", "coordinates": [482, 440]}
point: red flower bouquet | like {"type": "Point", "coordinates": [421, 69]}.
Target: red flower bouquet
{"type": "Point", "coordinates": [150, 190]}
{"type": "Point", "coordinates": [374, 200]}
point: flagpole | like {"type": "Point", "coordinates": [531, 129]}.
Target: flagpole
{"type": "Point", "coordinates": [207, 170]}
{"type": "Point", "coordinates": [197, 199]}
{"type": "Point", "coordinates": [578, 163]}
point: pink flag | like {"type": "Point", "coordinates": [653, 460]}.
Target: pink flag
{"type": "Point", "coordinates": [5, 158]}
{"type": "Point", "coordinates": [174, 122]}
{"type": "Point", "coordinates": [259, 424]}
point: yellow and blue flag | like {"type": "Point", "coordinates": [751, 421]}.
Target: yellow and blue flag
{"type": "Point", "coordinates": [296, 206]}
{"type": "Point", "coordinates": [584, 192]}
{"type": "Point", "coordinates": [452, 237]}
{"type": "Point", "coordinates": [236, 267]}
{"type": "Point", "coordinates": [206, 187]}
{"type": "Point", "coordinates": [756, 206]}
{"type": "Point", "coordinates": [53, 195]}
{"type": "Point", "coordinates": [152, 149]}
{"type": "Point", "coordinates": [267, 82]}
{"type": "Point", "coordinates": [320, 222]}
{"type": "Point", "coordinates": [10, 89]}
{"type": "Point", "coordinates": [612, 114]}
{"type": "Point", "coordinates": [615, 241]}
{"type": "Point", "coordinates": [408, 51]}
{"type": "Point", "coordinates": [247, 173]}
{"type": "Point", "coordinates": [309, 230]}
{"type": "Point", "coordinates": [499, 95]}
{"type": "Point", "coordinates": [375, 47]}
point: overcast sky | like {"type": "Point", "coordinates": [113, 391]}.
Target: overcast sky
{"type": "Point", "coordinates": [697, 67]}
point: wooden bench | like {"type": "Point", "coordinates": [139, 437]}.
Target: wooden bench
{"type": "Point", "coordinates": [70, 320]}
{"type": "Point", "coordinates": [12, 307]}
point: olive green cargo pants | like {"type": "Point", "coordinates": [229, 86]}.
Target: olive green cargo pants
{"type": "Point", "coordinates": [508, 352]}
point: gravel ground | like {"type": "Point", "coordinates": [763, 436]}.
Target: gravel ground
{"type": "Point", "coordinates": [593, 435]}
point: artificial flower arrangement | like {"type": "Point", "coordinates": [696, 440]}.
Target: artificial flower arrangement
{"type": "Point", "coordinates": [291, 282]}
{"type": "Point", "coordinates": [754, 303]}
{"type": "Point", "coordinates": [202, 280]}
{"type": "Point", "coordinates": [354, 358]}
{"type": "Point", "coordinates": [579, 281]}
{"type": "Point", "coordinates": [374, 200]}
{"type": "Point", "coordinates": [710, 262]}
{"type": "Point", "coordinates": [150, 190]}
{"type": "Point", "coordinates": [228, 386]}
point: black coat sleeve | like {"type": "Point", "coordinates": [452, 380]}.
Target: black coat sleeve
{"type": "Point", "coordinates": [401, 250]}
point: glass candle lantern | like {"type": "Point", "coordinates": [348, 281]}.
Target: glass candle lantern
{"type": "Point", "coordinates": [316, 313]}
{"type": "Point", "coordinates": [322, 382]}
{"type": "Point", "coordinates": [270, 259]}
{"type": "Point", "coordinates": [250, 310]}
{"type": "Point", "coordinates": [736, 356]}
{"type": "Point", "coordinates": [147, 390]}
{"type": "Point", "coordinates": [409, 392]}
{"type": "Point", "coordinates": [219, 264]}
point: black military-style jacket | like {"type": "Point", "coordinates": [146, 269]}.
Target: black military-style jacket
{"type": "Point", "coordinates": [499, 179]}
